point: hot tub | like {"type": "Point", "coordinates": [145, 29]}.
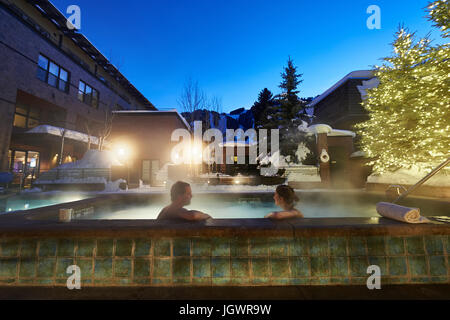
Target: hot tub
{"type": "Point", "coordinates": [115, 242]}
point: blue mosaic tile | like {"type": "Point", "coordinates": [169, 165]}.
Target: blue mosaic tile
{"type": "Point", "coordinates": [47, 248]}
{"type": "Point", "coordinates": [201, 267]}
{"type": "Point", "coordinates": [280, 267]}
{"type": "Point", "coordinates": [420, 279]}
{"type": "Point", "coordinates": [124, 247]}
{"type": "Point", "coordinates": [319, 266]}
{"type": "Point", "coordinates": [161, 281]}
{"type": "Point", "coordinates": [220, 247]}
{"type": "Point", "coordinates": [142, 281]}
{"type": "Point", "coordinates": [161, 248]}
{"type": "Point", "coordinates": [46, 267]}
{"type": "Point", "coordinates": [261, 280]}
{"type": "Point", "coordinates": [359, 280]}
{"type": "Point", "coordinates": [300, 247]}
{"type": "Point", "coordinates": [339, 280]}
{"type": "Point", "coordinates": [418, 265]}
{"type": "Point", "coordinates": [434, 245]}
{"type": "Point", "coordinates": [103, 268]}
{"type": "Point", "coordinates": [259, 247]}
{"type": "Point", "coordinates": [86, 267]}
{"type": "Point", "coordinates": [358, 266]}
{"type": "Point", "coordinates": [240, 267]}
{"type": "Point", "coordinates": [181, 267]}
{"type": "Point", "coordinates": [8, 267]}
{"type": "Point", "coordinates": [220, 281]}
{"type": "Point", "coordinates": [300, 267]}
{"type": "Point", "coordinates": [141, 267]}
{"type": "Point", "coordinates": [202, 281]}
{"type": "Point", "coordinates": [239, 247]}
{"type": "Point", "coordinates": [338, 266]}
{"type": "Point", "coordinates": [10, 247]}
{"type": "Point", "coordinates": [357, 246]}
{"type": "Point", "coordinates": [300, 281]}
{"type": "Point", "coordinates": [380, 262]}
{"type": "Point", "coordinates": [438, 266]}
{"type": "Point", "coordinates": [320, 281]}
{"type": "Point", "coordinates": [61, 266]}
{"type": "Point", "coordinates": [66, 248]}
{"type": "Point", "coordinates": [182, 280]}
{"type": "Point", "coordinates": [260, 267]}
{"type": "Point", "coordinates": [161, 268]}
{"type": "Point", "coordinates": [397, 266]}
{"type": "Point", "coordinates": [279, 247]}
{"type": "Point", "coordinates": [28, 248]}
{"type": "Point", "coordinates": [142, 247]}
{"type": "Point", "coordinates": [27, 267]}
{"type": "Point", "coordinates": [376, 246]}
{"type": "Point", "coordinates": [415, 245]}
{"type": "Point", "coordinates": [280, 282]}
{"type": "Point", "coordinates": [122, 267]}
{"type": "Point", "coordinates": [241, 280]}
{"type": "Point", "coordinates": [220, 267]}
{"type": "Point", "coordinates": [181, 247]}
{"type": "Point", "coordinates": [318, 246]}
{"type": "Point", "coordinates": [439, 279]}
{"type": "Point", "coordinates": [105, 247]}
{"type": "Point", "coordinates": [86, 248]}
{"type": "Point", "coordinates": [201, 247]}
{"type": "Point", "coordinates": [395, 245]}
{"type": "Point", "coordinates": [337, 246]}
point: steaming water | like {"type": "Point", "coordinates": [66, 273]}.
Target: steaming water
{"type": "Point", "coordinates": [221, 209]}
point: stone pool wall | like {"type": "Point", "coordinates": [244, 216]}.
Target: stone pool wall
{"type": "Point", "coordinates": [225, 260]}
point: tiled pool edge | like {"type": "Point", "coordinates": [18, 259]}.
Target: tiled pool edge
{"type": "Point", "coordinates": [225, 261]}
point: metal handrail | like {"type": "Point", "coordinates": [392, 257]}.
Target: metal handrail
{"type": "Point", "coordinates": [422, 181]}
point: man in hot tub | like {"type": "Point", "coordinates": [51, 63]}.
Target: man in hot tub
{"type": "Point", "coordinates": [181, 195]}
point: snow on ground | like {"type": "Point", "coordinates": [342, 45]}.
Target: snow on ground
{"type": "Point", "coordinates": [93, 159]}
{"type": "Point", "coordinates": [411, 177]}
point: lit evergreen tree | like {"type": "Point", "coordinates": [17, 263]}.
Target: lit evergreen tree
{"type": "Point", "coordinates": [409, 111]}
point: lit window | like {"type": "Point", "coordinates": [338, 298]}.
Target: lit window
{"type": "Point", "coordinates": [88, 95]}
{"type": "Point", "coordinates": [53, 74]}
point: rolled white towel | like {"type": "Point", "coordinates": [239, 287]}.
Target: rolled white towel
{"type": "Point", "coordinates": [400, 213]}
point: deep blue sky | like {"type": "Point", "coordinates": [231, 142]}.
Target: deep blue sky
{"type": "Point", "coordinates": [235, 48]}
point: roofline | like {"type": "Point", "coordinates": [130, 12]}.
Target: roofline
{"type": "Point", "coordinates": [50, 12]}
{"type": "Point", "coordinates": [349, 76]}
{"type": "Point", "coordinates": [155, 112]}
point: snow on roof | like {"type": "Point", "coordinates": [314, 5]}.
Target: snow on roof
{"type": "Point", "coordinates": [324, 128]}
{"type": "Point", "coordinates": [69, 134]}
{"type": "Point", "coordinates": [359, 74]}
{"type": "Point", "coordinates": [151, 112]}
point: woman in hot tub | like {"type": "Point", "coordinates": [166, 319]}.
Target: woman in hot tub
{"type": "Point", "coordinates": [285, 198]}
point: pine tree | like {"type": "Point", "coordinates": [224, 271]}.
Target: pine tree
{"type": "Point", "coordinates": [409, 113]}
{"type": "Point", "coordinates": [262, 109]}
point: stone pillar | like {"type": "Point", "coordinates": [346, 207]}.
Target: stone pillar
{"type": "Point", "coordinates": [322, 147]}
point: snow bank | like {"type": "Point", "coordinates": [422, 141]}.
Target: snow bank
{"type": "Point", "coordinates": [411, 177]}
{"type": "Point", "coordinates": [93, 159]}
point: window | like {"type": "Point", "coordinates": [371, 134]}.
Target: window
{"type": "Point", "coordinates": [26, 117]}
{"type": "Point", "coordinates": [53, 74]}
{"type": "Point", "coordinates": [88, 95]}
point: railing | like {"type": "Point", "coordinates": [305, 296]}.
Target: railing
{"type": "Point", "coordinates": [422, 181]}
{"type": "Point", "coordinates": [58, 174]}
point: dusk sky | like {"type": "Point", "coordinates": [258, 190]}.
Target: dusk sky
{"type": "Point", "coordinates": [235, 48]}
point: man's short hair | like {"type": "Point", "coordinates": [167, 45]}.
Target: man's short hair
{"type": "Point", "coordinates": [178, 189]}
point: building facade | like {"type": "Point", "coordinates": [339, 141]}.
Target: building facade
{"type": "Point", "coordinates": [340, 106]}
{"type": "Point", "coordinates": [52, 79]}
